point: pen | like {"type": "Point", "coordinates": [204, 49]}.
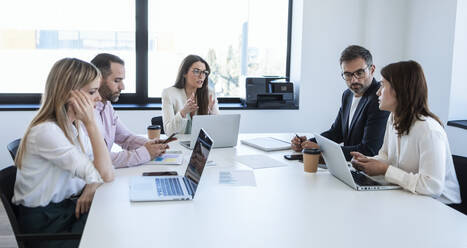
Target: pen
{"type": "Point", "coordinates": [296, 135]}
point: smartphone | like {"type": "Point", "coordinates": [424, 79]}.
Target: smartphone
{"type": "Point", "coordinates": [294, 157]}
{"type": "Point", "coordinates": [160, 173]}
{"type": "Point", "coordinates": [170, 138]}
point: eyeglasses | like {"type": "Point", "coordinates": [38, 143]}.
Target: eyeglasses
{"type": "Point", "coordinates": [359, 74]}
{"type": "Point", "coordinates": [198, 72]}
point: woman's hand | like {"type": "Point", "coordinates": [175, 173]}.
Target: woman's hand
{"type": "Point", "coordinates": [81, 107]}
{"type": "Point", "coordinates": [84, 201]}
{"type": "Point", "coordinates": [190, 106]}
{"type": "Point", "coordinates": [370, 166]}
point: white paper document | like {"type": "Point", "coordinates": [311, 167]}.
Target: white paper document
{"type": "Point", "coordinates": [259, 161]}
{"type": "Point", "coordinates": [237, 178]}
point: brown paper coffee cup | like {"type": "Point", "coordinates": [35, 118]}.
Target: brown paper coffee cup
{"type": "Point", "coordinates": [154, 132]}
{"type": "Point", "coordinates": [310, 160]}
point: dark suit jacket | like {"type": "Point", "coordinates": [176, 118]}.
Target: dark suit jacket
{"type": "Point", "coordinates": [367, 127]}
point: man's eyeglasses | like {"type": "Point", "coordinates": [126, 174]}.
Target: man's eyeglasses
{"type": "Point", "coordinates": [359, 74]}
{"type": "Point", "coordinates": [198, 72]}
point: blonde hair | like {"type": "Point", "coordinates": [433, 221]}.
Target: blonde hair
{"type": "Point", "coordinates": [66, 75]}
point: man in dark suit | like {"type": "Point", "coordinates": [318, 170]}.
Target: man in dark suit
{"type": "Point", "coordinates": [359, 125]}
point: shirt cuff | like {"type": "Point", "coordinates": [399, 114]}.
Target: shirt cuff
{"type": "Point", "coordinates": [400, 177]}
{"type": "Point", "coordinates": [143, 154]}
{"type": "Point", "coordinates": [92, 175]}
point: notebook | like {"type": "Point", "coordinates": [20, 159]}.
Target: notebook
{"type": "Point", "coordinates": [267, 144]}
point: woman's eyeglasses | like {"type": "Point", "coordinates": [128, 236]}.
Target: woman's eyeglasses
{"type": "Point", "coordinates": [198, 72]}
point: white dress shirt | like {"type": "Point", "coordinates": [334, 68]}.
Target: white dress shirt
{"type": "Point", "coordinates": [353, 107]}
{"type": "Point", "coordinates": [421, 161]}
{"type": "Point", "coordinates": [173, 100]}
{"type": "Point", "coordinates": [53, 169]}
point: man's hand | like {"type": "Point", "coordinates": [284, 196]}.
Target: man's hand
{"type": "Point", "coordinates": [297, 143]}
{"type": "Point", "coordinates": [155, 149]}
{"type": "Point", "coordinates": [370, 166]}
{"type": "Point", "coordinates": [84, 201]}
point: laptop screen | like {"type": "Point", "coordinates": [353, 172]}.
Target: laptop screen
{"type": "Point", "coordinates": [198, 160]}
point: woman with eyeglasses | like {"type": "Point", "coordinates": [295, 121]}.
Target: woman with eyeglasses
{"type": "Point", "coordinates": [188, 97]}
{"type": "Point", "coordinates": [59, 166]}
{"type": "Point", "coordinates": [415, 152]}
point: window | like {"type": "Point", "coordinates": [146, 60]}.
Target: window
{"type": "Point", "coordinates": [238, 39]}
{"type": "Point", "coordinates": [31, 41]}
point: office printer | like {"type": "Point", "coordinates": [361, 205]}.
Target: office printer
{"type": "Point", "coordinates": [269, 92]}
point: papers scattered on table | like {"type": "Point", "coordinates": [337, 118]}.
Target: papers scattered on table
{"type": "Point", "coordinates": [237, 178]}
{"type": "Point", "coordinates": [259, 161]}
{"type": "Point", "coordinates": [168, 158]}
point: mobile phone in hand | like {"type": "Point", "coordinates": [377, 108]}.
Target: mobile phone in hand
{"type": "Point", "coordinates": [294, 157]}
{"type": "Point", "coordinates": [170, 138]}
{"type": "Point", "coordinates": [160, 173]}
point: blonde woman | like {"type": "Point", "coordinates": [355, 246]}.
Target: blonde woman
{"type": "Point", "coordinates": [59, 168]}
{"type": "Point", "coordinates": [189, 96]}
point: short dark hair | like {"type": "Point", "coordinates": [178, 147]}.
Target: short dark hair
{"type": "Point", "coordinates": [408, 82]}
{"type": "Point", "coordinates": [102, 62]}
{"type": "Point", "coordinates": [354, 52]}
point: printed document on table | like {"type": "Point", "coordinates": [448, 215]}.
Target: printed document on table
{"type": "Point", "coordinates": [257, 161]}
{"type": "Point", "coordinates": [237, 178]}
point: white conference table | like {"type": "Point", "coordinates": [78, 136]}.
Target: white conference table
{"type": "Point", "coordinates": [287, 208]}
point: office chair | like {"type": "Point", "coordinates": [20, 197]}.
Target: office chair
{"type": "Point", "coordinates": [158, 121]}
{"type": "Point", "coordinates": [460, 165]}
{"type": "Point", "coordinates": [13, 148]}
{"type": "Point", "coordinates": [7, 183]}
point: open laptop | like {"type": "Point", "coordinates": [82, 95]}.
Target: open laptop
{"type": "Point", "coordinates": [170, 188]}
{"type": "Point", "coordinates": [344, 171]}
{"type": "Point", "coordinates": [222, 128]}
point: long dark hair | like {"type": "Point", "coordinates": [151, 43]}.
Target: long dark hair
{"type": "Point", "coordinates": [408, 81]}
{"type": "Point", "coordinates": [202, 94]}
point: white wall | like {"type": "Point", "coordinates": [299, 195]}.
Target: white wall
{"type": "Point", "coordinates": [392, 30]}
{"type": "Point", "coordinates": [458, 98]}
{"type": "Point", "coordinates": [430, 40]}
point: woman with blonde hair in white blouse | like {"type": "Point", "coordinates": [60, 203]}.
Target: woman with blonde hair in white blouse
{"type": "Point", "coordinates": [188, 97]}
{"type": "Point", "coordinates": [415, 152]}
{"type": "Point", "coordinates": [59, 167]}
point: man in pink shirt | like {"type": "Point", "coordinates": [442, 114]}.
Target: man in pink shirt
{"type": "Point", "coordinates": [136, 150]}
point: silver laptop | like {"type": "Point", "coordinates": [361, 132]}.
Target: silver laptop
{"type": "Point", "coordinates": [344, 171]}
{"type": "Point", "coordinates": [170, 188]}
{"type": "Point", "coordinates": [222, 128]}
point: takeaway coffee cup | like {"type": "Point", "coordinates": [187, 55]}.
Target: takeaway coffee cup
{"type": "Point", "coordinates": [154, 132]}
{"type": "Point", "coordinates": [310, 159]}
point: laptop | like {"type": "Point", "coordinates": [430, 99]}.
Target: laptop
{"type": "Point", "coordinates": [171, 188]}
{"type": "Point", "coordinates": [344, 171]}
{"type": "Point", "coordinates": [222, 128]}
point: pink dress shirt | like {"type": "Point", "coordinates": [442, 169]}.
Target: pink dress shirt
{"type": "Point", "coordinates": [133, 153]}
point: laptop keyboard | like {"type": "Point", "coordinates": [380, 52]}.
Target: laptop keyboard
{"type": "Point", "coordinates": [168, 186]}
{"type": "Point", "coordinates": [363, 180]}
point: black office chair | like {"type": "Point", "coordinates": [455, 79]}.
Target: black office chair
{"type": "Point", "coordinates": [460, 165]}
{"type": "Point", "coordinates": [13, 148]}
{"type": "Point", "coordinates": [7, 183]}
{"type": "Point", "coordinates": [158, 121]}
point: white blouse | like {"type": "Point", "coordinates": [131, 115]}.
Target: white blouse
{"type": "Point", "coordinates": [421, 161]}
{"type": "Point", "coordinates": [53, 169]}
{"type": "Point", "coordinates": [173, 100]}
